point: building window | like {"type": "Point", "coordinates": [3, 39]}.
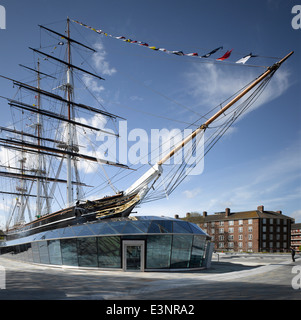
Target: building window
{"type": "Point", "coordinates": [278, 221]}
{"type": "Point", "coordinates": [264, 229]}
{"type": "Point", "coordinates": [271, 228]}
{"type": "Point", "coordinates": [240, 237]}
{"type": "Point", "coordinates": [271, 221]}
{"type": "Point", "coordinates": [212, 223]}
{"type": "Point", "coordinates": [264, 221]}
{"type": "Point", "coordinates": [231, 230]}
{"type": "Point", "coordinates": [220, 244]}
{"type": "Point", "coordinates": [212, 231]}
{"type": "Point", "coordinates": [240, 244]}
{"type": "Point", "coordinates": [230, 237]}
{"type": "Point", "coordinates": [250, 229]}
{"type": "Point", "coordinates": [250, 244]}
{"type": "Point", "coordinates": [221, 238]}
{"type": "Point", "coordinates": [205, 225]}
{"type": "Point", "coordinates": [250, 236]}
{"type": "Point", "coordinates": [278, 229]}
{"type": "Point", "coordinates": [271, 237]}
{"type": "Point", "coordinates": [264, 236]}
{"type": "Point", "coordinates": [158, 251]}
{"type": "Point", "coordinates": [264, 244]}
{"type": "Point", "coordinates": [231, 244]}
{"type": "Point", "coordinates": [221, 223]}
{"type": "Point", "coordinates": [221, 230]}
{"type": "Point", "coordinates": [284, 229]}
{"type": "Point", "coordinates": [250, 221]}
{"type": "Point", "coordinates": [240, 222]}
{"type": "Point", "coordinates": [109, 251]}
{"type": "Point", "coordinates": [231, 223]}
{"type": "Point", "coordinates": [240, 229]}
{"type": "Point", "coordinates": [180, 253]}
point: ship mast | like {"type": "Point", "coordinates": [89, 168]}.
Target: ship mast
{"type": "Point", "coordinates": [69, 88]}
{"type": "Point", "coordinates": [225, 108]}
{"type": "Point", "coordinates": [146, 182]}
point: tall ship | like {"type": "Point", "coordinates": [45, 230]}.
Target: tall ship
{"type": "Point", "coordinates": [44, 145]}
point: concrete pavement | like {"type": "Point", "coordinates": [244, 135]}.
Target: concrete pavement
{"type": "Point", "coordinates": [235, 277]}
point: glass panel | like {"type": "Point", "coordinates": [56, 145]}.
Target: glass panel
{"type": "Point", "coordinates": [158, 251]}
{"type": "Point", "coordinates": [181, 248]}
{"type": "Point", "coordinates": [67, 233]}
{"type": "Point", "coordinates": [43, 249]}
{"type": "Point", "coordinates": [29, 252]}
{"type": "Point", "coordinates": [54, 249]}
{"type": "Point", "coordinates": [109, 255]}
{"type": "Point", "coordinates": [196, 229]}
{"type": "Point", "coordinates": [167, 225]}
{"type": "Point", "coordinates": [107, 229]}
{"type": "Point", "coordinates": [178, 227]}
{"type": "Point", "coordinates": [133, 257]}
{"type": "Point", "coordinates": [87, 252]}
{"type": "Point", "coordinates": [69, 252]}
{"type": "Point", "coordinates": [154, 228]}
{"type": "Point", "coordinates": [130, 228]}
{"type": "Point", "coordinates": [35, 252]}
{"type": "Point", "coordinates": [119, 226]}
{"type": "Point", "coordinates": [185, 225]}
{"type": "Point", "coordinates": [143, 225]}
{"type": "Point", "coordinates": [197, 252]}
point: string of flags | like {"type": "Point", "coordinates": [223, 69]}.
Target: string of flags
{"type": "Point", "coordinates": [243, 60]}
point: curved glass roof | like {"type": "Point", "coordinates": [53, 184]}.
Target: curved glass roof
{"type": "Point", "coordinates": [118, 226]}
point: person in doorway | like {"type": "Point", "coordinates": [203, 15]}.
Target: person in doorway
{"type": "Point", "coordinates": [293, 254]}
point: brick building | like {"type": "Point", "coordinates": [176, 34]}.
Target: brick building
{"type": "Point", "coordinates": [296, 237]}
{"type": "Point", "coordinates": [248, 231]}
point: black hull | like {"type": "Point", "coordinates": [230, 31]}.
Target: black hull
{"type": "Point", "coordinates": [109, 207]}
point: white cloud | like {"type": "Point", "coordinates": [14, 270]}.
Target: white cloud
{"type": "Point", "coordinates": [190, 194]}
{"type": "Point", "coordinates": [100, 62]}
{"type": "Point", "coordinates": [92, 85]}
{"type": "Point", "coordinates": [296, 215]}
{"type": "Point", "coordinates": [211, 84]}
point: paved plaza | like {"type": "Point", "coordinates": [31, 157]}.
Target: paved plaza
{"type": "Point", "coordinates": [231, 277]}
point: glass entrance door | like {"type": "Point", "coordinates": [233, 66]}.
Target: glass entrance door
{"type": "Point", "coordinates": [133, 255]}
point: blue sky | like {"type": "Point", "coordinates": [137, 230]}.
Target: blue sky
{"type": "Point", "coordinates": [259, 161]}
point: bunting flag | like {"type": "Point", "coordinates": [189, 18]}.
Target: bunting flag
{"type": "Point", "coordinates": [225, 56]}
{"type": "Point", "coordinates": [212, 52]}
{"type": "Point", "coordinates": [244, 59]}
{"type": "Point", "coordinates": [178, 53]}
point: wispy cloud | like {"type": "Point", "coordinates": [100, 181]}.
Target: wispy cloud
{"type": "Point", "coordinates": [100, 61]}
{"type": "Point", "coordinates": [211, 84]}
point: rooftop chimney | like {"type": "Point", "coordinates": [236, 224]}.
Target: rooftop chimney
{"type": "Point", "coordinates": [260, 208]}
{"type": "Point", "coordinates": [204, 213]}
{"type": "Point", "coordinates": [176, 216]}
{"type": "Point", "coordinates": [227, 212]}
{"type": "Point", "coordinates": [280, 212]}
{"type": "Point", "coordinates": [187, 215]}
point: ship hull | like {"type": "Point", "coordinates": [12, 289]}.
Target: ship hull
{"type": "Point", "coordinates": [108, 207]}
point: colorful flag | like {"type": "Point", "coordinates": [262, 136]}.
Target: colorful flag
{"type": "Point", "coordinates": [244, 59]}
{"type": "Point", "coordinates": [211, 52]}
{"type": "Point", "coordinates": [225, 56]}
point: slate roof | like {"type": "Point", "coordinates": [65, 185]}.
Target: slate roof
{"type": "Point", "coordinates": [253, 214]}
